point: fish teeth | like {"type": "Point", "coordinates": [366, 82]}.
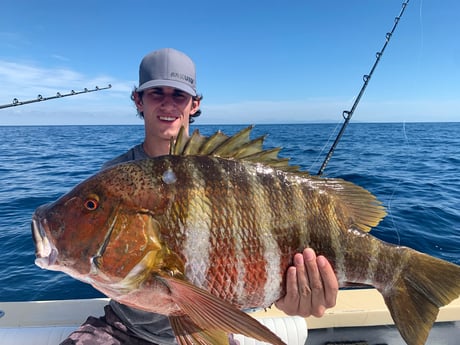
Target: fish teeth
{"type": "Point", "coordinates": [43, 247]}
{"type": "Point", "coordinates": [46, 253]}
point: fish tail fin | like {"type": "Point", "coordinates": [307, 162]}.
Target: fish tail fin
{"type": "Point", "coordinates": [426, 284]}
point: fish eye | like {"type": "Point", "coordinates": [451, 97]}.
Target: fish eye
{"type": "Point", "coordinates": [91, 203]}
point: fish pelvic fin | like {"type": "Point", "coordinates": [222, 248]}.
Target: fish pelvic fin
{"type": "Point", "coordinates": [188, 333]}
{"type": "Point", "coordinates": [426, 284]}
{"type": "Point", "coordinates": [212, 316]}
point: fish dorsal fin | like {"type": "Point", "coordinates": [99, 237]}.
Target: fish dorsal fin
{"type": "Point", "coordinates": [360, 207]}
{"type": "Point", "coordinates": [363, 210]}
{"type": "Point", "coordinates": [239, 147]}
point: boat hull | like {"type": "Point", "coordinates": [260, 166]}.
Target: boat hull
{"type": "Point", "coordinates": [360, 317]}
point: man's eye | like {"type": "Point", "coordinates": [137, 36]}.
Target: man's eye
{"type": "Point", "coordinates": [156, 95]}
{"type": "Point", "coordinates": [179, 96]}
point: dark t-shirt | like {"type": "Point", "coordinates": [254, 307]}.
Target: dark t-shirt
{"type": "Point", "coordinates": [149, 326]}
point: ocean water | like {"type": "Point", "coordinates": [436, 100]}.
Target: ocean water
{"type": "Point", "coordinates": [413, 168]}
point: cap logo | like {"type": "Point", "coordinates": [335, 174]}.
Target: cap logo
{"type": "Point", "coordinates": [181, 76]}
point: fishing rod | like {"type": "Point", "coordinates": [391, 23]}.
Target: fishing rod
{"type": "Point", "coordinates": [347, 114]}
{"type": "Point", "coordinates": [40, 98]}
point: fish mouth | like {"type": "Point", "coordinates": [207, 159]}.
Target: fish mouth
{"type": "Point", "coordinates": [45, 252]}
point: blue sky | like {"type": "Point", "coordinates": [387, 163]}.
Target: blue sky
{"type": "Point", "coordinates": [257, 62]}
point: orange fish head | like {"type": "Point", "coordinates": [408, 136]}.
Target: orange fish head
{"type": "Point", "coordinates": [103, 235]}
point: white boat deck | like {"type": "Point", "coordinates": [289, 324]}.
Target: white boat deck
{"type": "Point", "coordinates": [359, 314]}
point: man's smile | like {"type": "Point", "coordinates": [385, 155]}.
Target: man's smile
{"type": "Point", "coordinates": [168, 118]}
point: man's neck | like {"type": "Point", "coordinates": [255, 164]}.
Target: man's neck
{"type": "Point", "coordinates": [158, 148]}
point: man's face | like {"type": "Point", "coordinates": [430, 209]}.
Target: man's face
{"type": "Point", "coordinates": [166, 110]}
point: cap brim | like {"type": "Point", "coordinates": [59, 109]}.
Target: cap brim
{"type": "Point", "coordinates": [171, 83]}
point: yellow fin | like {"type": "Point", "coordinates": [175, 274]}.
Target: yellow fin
{"type": "Point", "coordinates": [230, 146]}
{"type": "Point", "coordinates": [212, 142]}
{"type": "Point", "coordinates": [238, 146]}
{"type": "Point", "coordinates": [187, 332]}
{"type": "Point", "coordinates": [361, 208]}
{"type": "Point", "coordinates": [176, 145]}
{"type": "Point", "coordinates": [358, 205]}
{"type": "Point", "coordinates": [425, 285]}
{"type": "Point", "coordinates": [194, 144]}
{"type": "Point", "coordinates": [250, 148]}
{"type": "Point", "coordinates": [212, 314]}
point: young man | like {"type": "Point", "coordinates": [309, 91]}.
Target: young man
{"type": "Point", "coordinates": [167, 99]}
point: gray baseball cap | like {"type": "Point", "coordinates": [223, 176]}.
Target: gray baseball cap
{"type": "Point", "coordinates": [167, 67]}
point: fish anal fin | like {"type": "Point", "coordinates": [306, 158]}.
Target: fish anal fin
{"type": "Point", "coordinates": [212, 314]}
{"type": "Point", "coordinates": [425, 285]}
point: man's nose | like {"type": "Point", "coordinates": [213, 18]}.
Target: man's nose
{"type": "Point", "coordinates": [168, 99]}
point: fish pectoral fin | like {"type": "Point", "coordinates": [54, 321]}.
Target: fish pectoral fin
{"type": "Point", "coordinates": [187, 332]}
{"type": "Point", "coordinates": [212, 314]}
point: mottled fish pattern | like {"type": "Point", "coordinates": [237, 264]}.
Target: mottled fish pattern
{"type": "Point", "coordinates": [211, 229]}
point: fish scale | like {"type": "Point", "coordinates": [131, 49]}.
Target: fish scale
{"type": "Point", "coordinates": [212, 228]}
{"type": "Point", "coordinates": [226, 242]}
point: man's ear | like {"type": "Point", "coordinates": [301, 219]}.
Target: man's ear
{"type": "Point", "coordinates": [138, 101]}
{"type": "Point", "coordinates": [195, 106]}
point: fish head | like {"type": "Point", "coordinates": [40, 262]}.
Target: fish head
{"type": "Point", "coordinates": [103, 233]}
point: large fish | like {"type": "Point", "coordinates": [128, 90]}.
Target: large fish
{"type": "Point", "coordinates": [212, 228]}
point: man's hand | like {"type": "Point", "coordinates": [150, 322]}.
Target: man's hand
{"type": "Point", "coordinates": [311, 286]}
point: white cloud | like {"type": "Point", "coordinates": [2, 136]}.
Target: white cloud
{"type": "Point", "coordinates": [25, 81]}
{"type": "Point", "coordinates": [330, 110]}
{"type": "Point", "coordinates": [272, 111]}
{"type": "Point", "coordinates": [59, 57]}
{"type": "Point", "coordinates": [28, 80]}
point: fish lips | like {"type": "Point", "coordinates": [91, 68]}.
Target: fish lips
{"type": "Point", "coordinates": [45, 251]}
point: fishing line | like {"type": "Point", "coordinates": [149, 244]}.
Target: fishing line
{"type": "Point", "coordinates": [407, 144]}
{"type": "Point", "coordinates": [396, 187]}
{"type": "Point", "coordinates": [347, 114]}
{"type": "Point", "coordinates": [390, 213]}
{"type": "Point", "coordinates": [40, 98]}
{"type": "Point", "coordinates": [421, 23]}
{"type": "Point", "coordinates": [323, 148]}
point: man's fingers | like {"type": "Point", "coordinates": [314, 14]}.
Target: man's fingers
{"type": "Point", "coordinates": [290, 302]}
{"type": "Point", "coordinates": [311, 286]}
{"type": "Point", "coordinates": [330, 283]}
{"type": "Point", "coordinates": [303, 285]}
{"type": "Point", "coordinates": [317, 298]}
